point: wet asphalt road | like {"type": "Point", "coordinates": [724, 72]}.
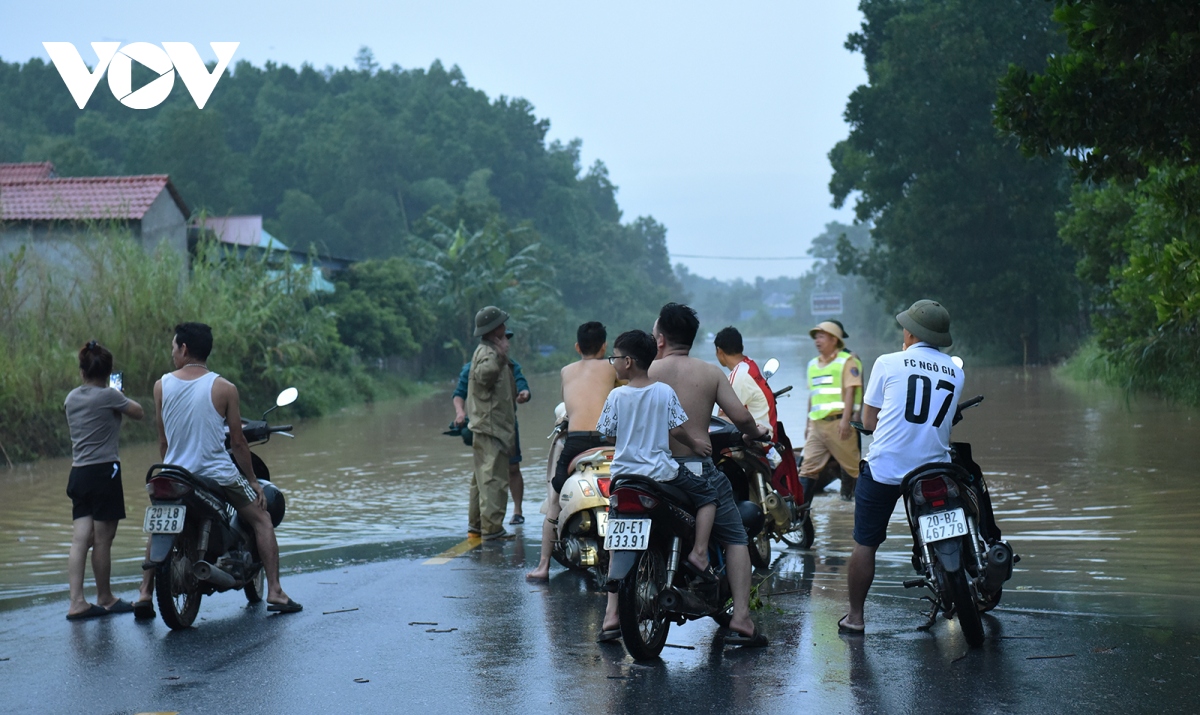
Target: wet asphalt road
{"type": "Point", "coordinates": [468, 634]}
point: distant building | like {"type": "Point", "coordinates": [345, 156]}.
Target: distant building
{"type": "Point", "coordinates": [47, 213]}
{"type": "Point", "coordinates": [248, 234]}
{"type": "Point", "coordinates": [779, 305]}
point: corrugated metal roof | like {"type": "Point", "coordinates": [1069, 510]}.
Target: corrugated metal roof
{"type": "Point", "coordinates": [84, 198]}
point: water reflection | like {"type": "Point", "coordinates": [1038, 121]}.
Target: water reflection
{"type": "Point", "coordinates": [1096, 493]}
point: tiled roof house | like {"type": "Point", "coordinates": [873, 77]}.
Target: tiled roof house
{"type": "Point", "coordinates": [36, 206]}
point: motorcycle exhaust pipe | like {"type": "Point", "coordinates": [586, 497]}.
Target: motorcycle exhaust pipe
{"type": "Point", "coordinates": [779, 511]}
{"type": "Point", "coordinates": [207, 572]}
{"type": "Point", "coordinates": [999, 566]}
{"type": "Point", "coordinates": [673, 600]}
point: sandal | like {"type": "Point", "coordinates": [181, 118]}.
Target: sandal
{"type": "Point", "coordinates": [846, 628]}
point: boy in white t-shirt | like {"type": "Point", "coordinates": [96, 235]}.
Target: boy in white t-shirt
{"type": "Point", "coordinates": [910, 403]}
{"type": "Point", "coordinates": [641, 416]}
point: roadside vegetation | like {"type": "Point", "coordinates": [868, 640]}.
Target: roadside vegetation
{"type": "Point", "coordinates": [270, 333]}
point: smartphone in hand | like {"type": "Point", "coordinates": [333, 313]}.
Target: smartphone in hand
{"type": "Point", "coordinates": [117, 381]}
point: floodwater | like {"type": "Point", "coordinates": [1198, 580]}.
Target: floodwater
{"type": "Point", "coordinates": [1095, 492]}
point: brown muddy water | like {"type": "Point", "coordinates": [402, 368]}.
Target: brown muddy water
{"type": "Point", "coordinates": [1097, 493]}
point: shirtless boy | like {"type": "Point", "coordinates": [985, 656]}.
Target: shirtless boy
{"type": "Point", "coordinates": [585, 385]}
{"type": "Point", "coordinates": [699, 386]}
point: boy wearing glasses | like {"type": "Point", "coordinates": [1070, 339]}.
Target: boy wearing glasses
{"type": "Point", "coordinates": [585, 385]}
{"type": "Point", "coordinates": [642, 417]}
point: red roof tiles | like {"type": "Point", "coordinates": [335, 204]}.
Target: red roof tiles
{"type": "Point", "coordinates": [26, 196]}
{"type": "Point", "coordinates": [16, 173]}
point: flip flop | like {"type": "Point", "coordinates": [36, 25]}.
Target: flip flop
{"type": "Point", "coordinates": [93, 612]}
{"type": "Point", "coordinates": [848, 629]}
{"type": "Point", "coordinates": [613, 634]}
{"type": "Point", "coordinates": [289, 607]}
{"type": "Point", "coordinates": [758, 640]}
{"type": "Point", "coordinates": [120, 606]}
{"type": "Point", "coordinates": [144, 610]}
{"type": "Point", "coordinates": [517, 519]}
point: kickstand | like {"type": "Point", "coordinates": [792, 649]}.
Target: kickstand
{"type": "Point", "coordinates": [933, 614]}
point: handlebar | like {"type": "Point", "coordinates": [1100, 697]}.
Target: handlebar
{"type": "Point", "coordinates": [782, 391]}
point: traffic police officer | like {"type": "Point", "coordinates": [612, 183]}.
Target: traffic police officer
{"type": "Point", "coordinates": [834, 399]}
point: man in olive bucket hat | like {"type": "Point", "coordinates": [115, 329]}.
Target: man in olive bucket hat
{"type": "Point", "coordinates": [834, 397]}
{"type": "Point", "coordinates": [911, 429]}
{"type": "Point", "coordinates": [491, 410]}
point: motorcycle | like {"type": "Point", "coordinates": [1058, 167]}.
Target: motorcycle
{"type": "Point", "coordinates": [755, 473]}
{"type": "Point", "coordinates": [197, 544]}
{"type": "Point", "coordinates": [957, 549]}
{"type": "Point", "coordinates": [651, 529]}
{"type": "Point", "coordinates": [584, 501]}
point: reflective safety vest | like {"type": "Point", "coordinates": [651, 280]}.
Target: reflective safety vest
{"type": "Point", "coordinates": [825, 386]}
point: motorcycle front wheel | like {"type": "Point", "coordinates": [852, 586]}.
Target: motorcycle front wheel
{"type": "Point", "coordinates": [643, 627]}
{"type": "Point", "coordinates": [176, 588]}
{"type": "Point", "coordinates": [804, 538]}
{"type": "Point", "coordinates": [760, 551]}
{"type": "Point", "coordinates": [965, 609]}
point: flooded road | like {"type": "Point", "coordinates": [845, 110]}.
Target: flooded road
{"type": "Point", "coordinates": [1098, 495]}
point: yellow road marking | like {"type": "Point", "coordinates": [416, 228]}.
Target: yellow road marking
{"type": "Point", "coordinates": [454, 552]}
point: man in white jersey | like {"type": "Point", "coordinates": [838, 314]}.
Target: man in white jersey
{"type": "Point", "coordinates": [194, 406]}
{"type": "Point", "coordinates": [910, 403]}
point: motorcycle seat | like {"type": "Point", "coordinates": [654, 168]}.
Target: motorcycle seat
{"type": "Point", "coordinates": [673, 494]}
{"type": "Point", "coordinates": [588, 454]}
{"type": "Point", "coordinates": [934, 469]}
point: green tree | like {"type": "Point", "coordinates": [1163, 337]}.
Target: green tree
{"type": "Point", "coordinates": [1121, 104]}
{"type": "Point", "coordinates": [958, 214]}
{"type": "Point", "coordinates": [380, 309]}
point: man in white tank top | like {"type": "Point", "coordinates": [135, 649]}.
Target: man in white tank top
{"type": "Point", "coordinates": [194, 406]}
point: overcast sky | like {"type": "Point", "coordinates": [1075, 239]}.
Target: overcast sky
{"type": "Point", "coordinates": [715, 118]}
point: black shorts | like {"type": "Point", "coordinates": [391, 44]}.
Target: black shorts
{"type": "Point", "coordinates": [515, 457]}
{"type": "Point", "coordinates": [873, 507]}
{"type": "Point", "coordinates": [577, 443]}
{"type": "Point", "coordinates": [95, 491]}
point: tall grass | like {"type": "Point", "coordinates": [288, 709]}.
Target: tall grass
{"type": "Point", "coordinates": [268, 330]}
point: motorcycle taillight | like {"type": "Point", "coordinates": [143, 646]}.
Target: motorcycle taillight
{"type": "Point", "coordinates": [604, 483]}
{"type": "Point", "coordinates": [632, 501]}
{"type": "Point", "coordinates": [932, 491]}
{"type": "Point", "coordinates": [166, 488]}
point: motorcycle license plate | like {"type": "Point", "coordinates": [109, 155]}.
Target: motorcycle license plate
{"type": "Point", "coordinates": [627, 535]}
{"type": "Point", "coordinates": [943, 525]}
{"type": "Point", "coordinates": [602, 523]}
{"type": "Point", "coordinates": [164, 519]}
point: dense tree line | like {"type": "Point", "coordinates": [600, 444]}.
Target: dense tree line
{"type": "Point", "coordinates": [1122, 105]}
{"type": "Point", "coordinates": [395, 165]}
{"type": "Point", "coordinates": [958, 214]}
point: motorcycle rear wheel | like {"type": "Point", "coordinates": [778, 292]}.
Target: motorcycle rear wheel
{"type": "Point", "coordinates": [643, 627]}
{"type": "Point", "coordinates": [177, 590]}
{"type": "Point", "coordinates": [965, 609]}
{"type": "Point", "coordinates": [256, 588]}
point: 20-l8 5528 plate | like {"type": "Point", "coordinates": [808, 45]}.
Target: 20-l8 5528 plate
{"type": "Point", "coordinates": [166, 519]}
{"type": "Point", "coordinates": [942, 525]}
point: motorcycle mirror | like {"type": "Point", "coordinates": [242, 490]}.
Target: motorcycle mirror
{"type": "Point", "coordinates": [957, 361]}
{"type": "Point", "coordinates": [287, 397]}
{"type": "Point", "coordinates": [770, 368]}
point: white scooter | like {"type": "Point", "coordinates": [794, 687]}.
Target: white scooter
{"type": "Point", "coordinates": [583, 521]}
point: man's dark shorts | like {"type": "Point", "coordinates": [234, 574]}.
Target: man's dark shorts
{"type": "Point", "coordinates": [239, 494]}
{"type": "Point", "coordinates": [728, 529]}
{"type": "Point", "coordinates": [515, 457]}
{"type": "Point", "coordinates": [576, 444]}
{"type": "Point", "coordinates": [873, 507]}
{"type": "Point", "coordinates": [95, 491]}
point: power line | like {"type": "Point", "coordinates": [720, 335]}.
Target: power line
{"type": "Point", "coordinates": [748, 258]}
